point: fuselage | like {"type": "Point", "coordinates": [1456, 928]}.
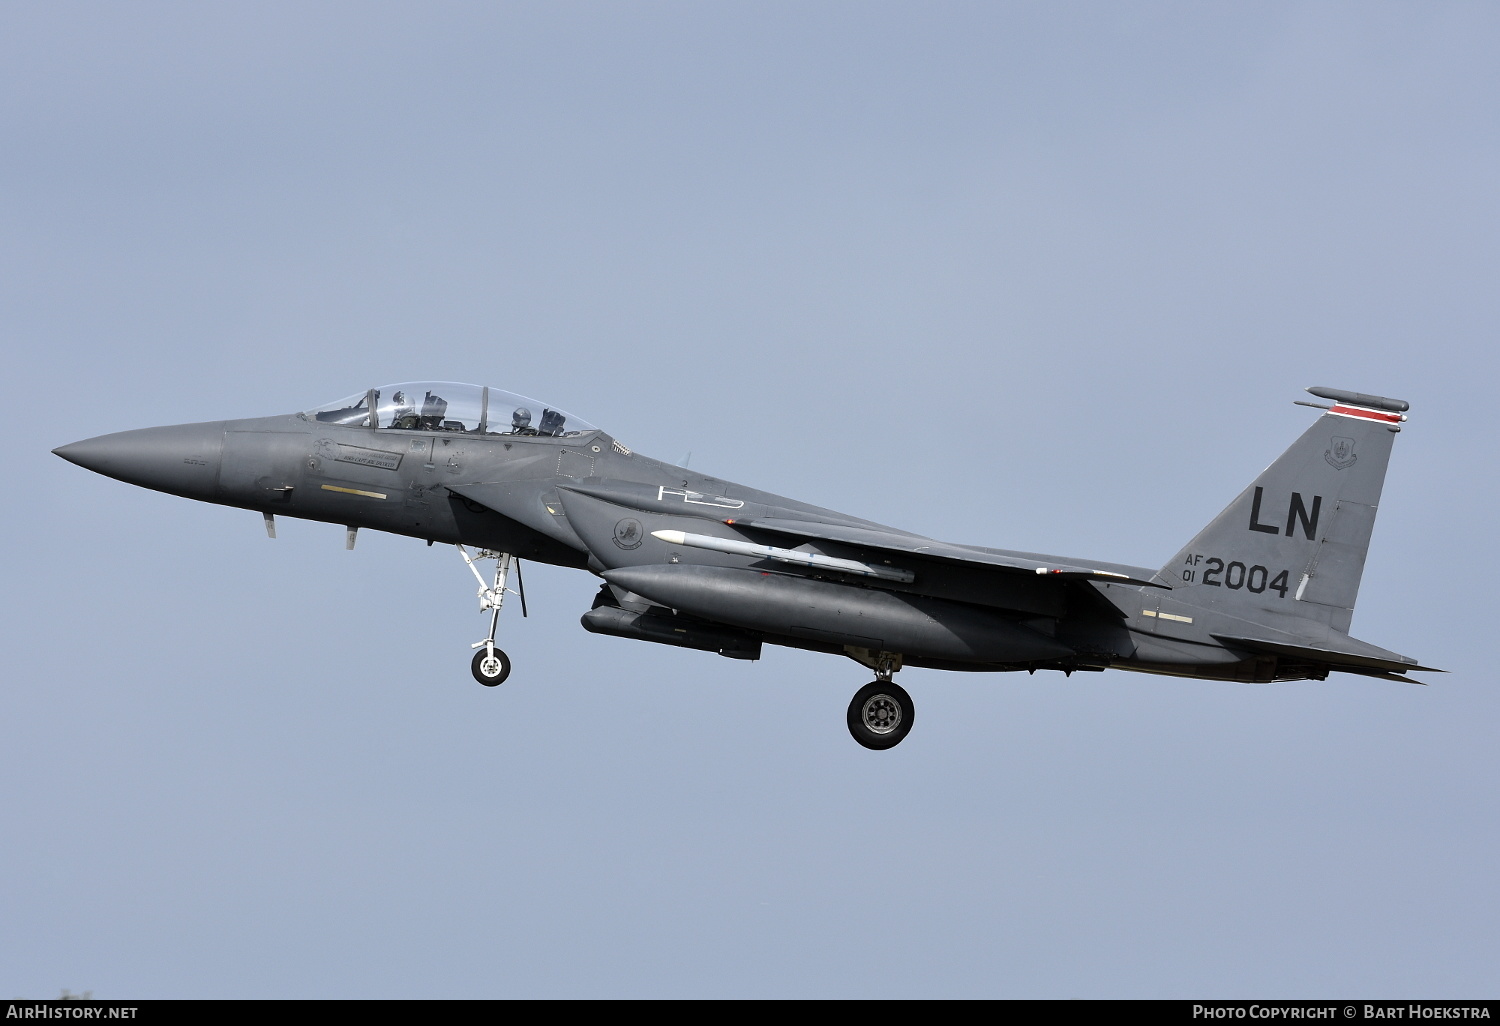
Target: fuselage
{"type": "Point", "coordinates": [582, 499]}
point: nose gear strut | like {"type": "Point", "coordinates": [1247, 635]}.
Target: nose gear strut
{"type": "Point", "coordinates": [491, 666]}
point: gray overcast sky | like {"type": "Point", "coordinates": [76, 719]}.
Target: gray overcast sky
{"type": "Point", "coordinates": [1043, 276]}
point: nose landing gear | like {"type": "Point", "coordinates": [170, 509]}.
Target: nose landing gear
{"type": "Point", "coordinates": [881, 713]}
{"type": "Point", "coordinates": [490, 666]}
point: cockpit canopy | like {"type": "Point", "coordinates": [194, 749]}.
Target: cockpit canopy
{"type": "Point", "coordinates": [450, 406]}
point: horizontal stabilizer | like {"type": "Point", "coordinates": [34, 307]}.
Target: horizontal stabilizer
{"type": "Point", "coordinates": [1382, 675]}
{"type": "Point", "coordinates": [915, 545]}
{"type": "Point", "coordinates": [1351, 655]}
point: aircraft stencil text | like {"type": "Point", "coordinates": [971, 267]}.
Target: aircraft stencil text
{"type": "Point", "coordinates": [1298, 514]}
{"type": "Point", "coordinates": [1234, 575]}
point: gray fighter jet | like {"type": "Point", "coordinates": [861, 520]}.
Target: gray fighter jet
{"type": "Point", "coordinates": [1263, 593]}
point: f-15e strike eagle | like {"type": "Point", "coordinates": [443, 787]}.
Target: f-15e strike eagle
{"type": "Point", "coordinates": [1263, 593]}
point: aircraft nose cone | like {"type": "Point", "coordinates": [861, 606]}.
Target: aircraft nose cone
{"type": "Point", "coordinates": [182, 459]}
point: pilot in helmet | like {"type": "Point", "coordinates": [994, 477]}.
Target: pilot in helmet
{"type": "Point", "coordinates": [520, 421]}
{"type": "Point", "coordinates": [404, 414]}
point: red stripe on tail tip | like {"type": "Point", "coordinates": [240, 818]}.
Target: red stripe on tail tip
{"type": "Point", "coordinates": [1361, 412]}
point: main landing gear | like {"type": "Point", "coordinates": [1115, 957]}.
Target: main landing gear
{"type": "Point", "coordinates": [881, 713]}
{"type": "Point", "coordinates": [491, 666]}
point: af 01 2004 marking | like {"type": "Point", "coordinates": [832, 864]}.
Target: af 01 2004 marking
{"type": "Point", "coordinates": [1236, 575]}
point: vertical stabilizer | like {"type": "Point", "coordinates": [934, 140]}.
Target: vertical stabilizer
{"type": "Point", "coordinates": [1294, 542]}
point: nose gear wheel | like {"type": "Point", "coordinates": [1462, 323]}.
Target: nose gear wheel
{"type": "Point", "coordinates": [490, 667]}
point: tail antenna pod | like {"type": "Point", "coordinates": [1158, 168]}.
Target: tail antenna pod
{"type": "Point", "coordinates": [1369, 402]}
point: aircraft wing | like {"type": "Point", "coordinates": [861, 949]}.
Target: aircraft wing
{"type": "Point", "coordinates": [944, 552]}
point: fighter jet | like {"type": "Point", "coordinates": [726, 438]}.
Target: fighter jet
{"type": "Point", "coordinates": [1263, 593]}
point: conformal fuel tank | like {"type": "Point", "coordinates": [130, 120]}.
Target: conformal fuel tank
{"type": "Point", "coordinates": [912, 625]}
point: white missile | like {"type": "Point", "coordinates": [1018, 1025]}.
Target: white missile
{"type": "Point", "coordinates": [813, 559]}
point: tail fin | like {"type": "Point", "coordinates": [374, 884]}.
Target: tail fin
{"type": "Point", "coordinates": [1294, 542]}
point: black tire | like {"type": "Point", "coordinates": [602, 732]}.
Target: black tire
{"type": "Point", "coordinates": [880, 715]}
{"type": "Point", "coordinates": [499, 670]}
